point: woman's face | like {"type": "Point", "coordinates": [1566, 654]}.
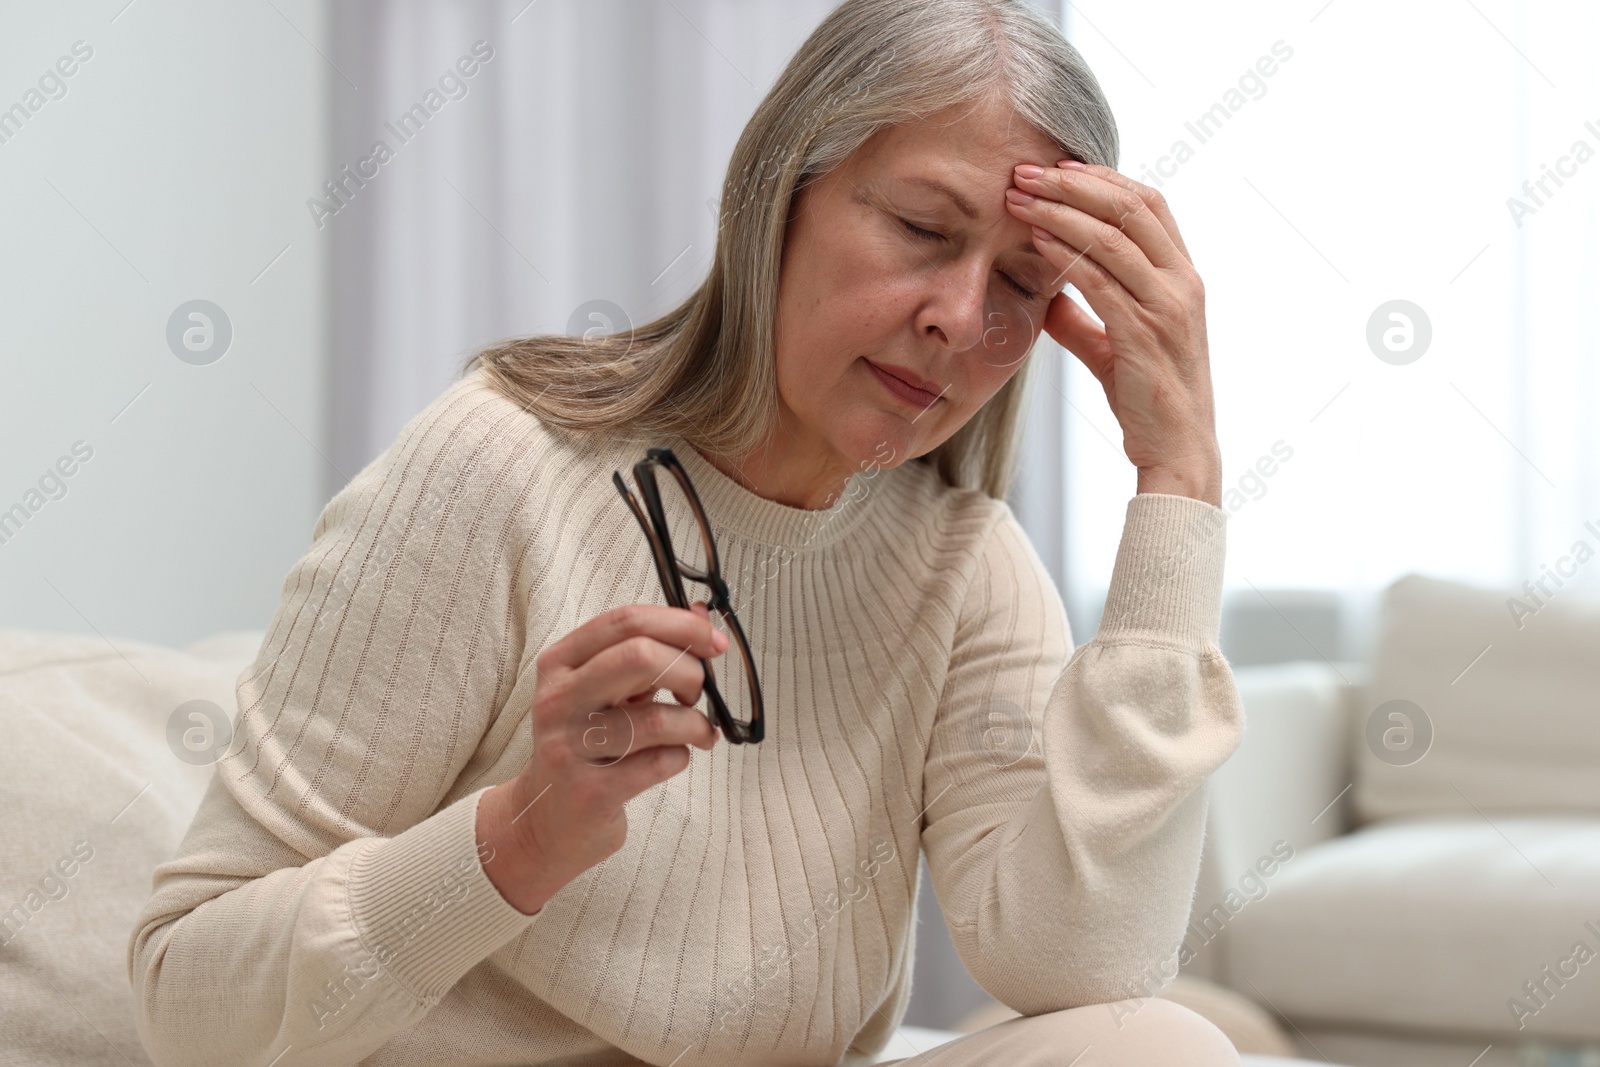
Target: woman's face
{"type": "Point", "coordinates": [860, 288]}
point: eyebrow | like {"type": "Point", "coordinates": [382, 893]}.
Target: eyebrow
{"type": "Point", "coordinates": [963, 205]}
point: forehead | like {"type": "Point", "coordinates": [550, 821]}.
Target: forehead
{"type": "Point", "coordinates": [988, 138]}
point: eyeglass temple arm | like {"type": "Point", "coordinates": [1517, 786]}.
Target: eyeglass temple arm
{"type": "Point", "coordinates": [669, 587]}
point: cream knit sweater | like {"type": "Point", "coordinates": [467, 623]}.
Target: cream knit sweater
{"type": "Point", "coordinates": [327, 905]}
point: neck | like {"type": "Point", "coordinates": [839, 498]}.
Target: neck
{"type": "Point", "coordinates": [807, 478]}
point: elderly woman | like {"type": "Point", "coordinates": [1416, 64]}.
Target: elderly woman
{"type": "Point", "coordinates": [474, 812]}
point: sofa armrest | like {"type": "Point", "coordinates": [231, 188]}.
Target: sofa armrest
{"type": "Point", "coordinates": [1287, 782]}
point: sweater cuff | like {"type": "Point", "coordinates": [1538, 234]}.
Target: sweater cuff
{"type": "Point", "coordinates": [1167, 580]}
{"type": "Point", "coordinates": [423, 906]}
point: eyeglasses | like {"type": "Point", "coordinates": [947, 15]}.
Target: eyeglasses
{"type": "Point", "coordinates": [694, 556]}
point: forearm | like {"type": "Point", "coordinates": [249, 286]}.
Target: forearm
{"type": "Point", "coordinates": [304, 978]}
{"type": "Point", "coordinates": [324, 960]}
{"type": "Point", "coordinates": [1092, 881]}
{"type": "Point", "coordinates": [1084, 885]}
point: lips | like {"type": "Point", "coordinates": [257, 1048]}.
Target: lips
{"type": "Point", "coordinates": [911, 385]}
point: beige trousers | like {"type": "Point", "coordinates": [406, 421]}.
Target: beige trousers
{"type": "Point", "coordinates": [1148, 1032]}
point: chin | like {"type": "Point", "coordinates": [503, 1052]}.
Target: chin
{"type": "Point", "coordinates": [879, 439]}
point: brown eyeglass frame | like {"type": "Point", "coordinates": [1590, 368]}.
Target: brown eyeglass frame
{"type": "Point", "coordinates": [672, 570]}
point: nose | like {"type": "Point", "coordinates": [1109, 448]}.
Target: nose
{"type": "Point", "coordinates": [954, 312]}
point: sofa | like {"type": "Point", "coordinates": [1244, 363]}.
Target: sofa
{"type": "Point", "coordinates": [110, 745]}
{"type": "Point", "coordinates": [104, 765]}
{"type": "Point", "coordinates": [1403, 856]}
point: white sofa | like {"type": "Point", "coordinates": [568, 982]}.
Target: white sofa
{"type": "Point", "coordinates": [103, 767]}
{"type": "Point", "coordinates": [93, 796]}
{"type": "Point", "coordinates": [1424, 887]}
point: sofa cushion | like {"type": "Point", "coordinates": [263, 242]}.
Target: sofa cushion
{"type": "Point", "coordinates": [93, 796]}
{"type": "Point", "coordinates": [1507, 685]}
{"type": "Point", "coordinates": [1434, 924]}
{"type": "Point", "coordinates": [915, 1044]}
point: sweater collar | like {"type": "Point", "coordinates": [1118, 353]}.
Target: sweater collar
{"type": "Point", "coordinates": [733, 508]}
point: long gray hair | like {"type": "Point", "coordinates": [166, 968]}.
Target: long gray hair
{"type": "Point", "coordinates": [706, 370]}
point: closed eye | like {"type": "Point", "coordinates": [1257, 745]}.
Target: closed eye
{"type": "Point", "coordinates": [929, 235]}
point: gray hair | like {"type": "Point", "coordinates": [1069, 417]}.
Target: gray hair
{"type": "Point", "coordinates": [707, 370]}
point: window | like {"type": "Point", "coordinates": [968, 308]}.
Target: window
{"type": "Point", "coordinates": [1323, 160]}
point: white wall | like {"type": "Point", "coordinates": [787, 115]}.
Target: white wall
{"type": "Point", "coordinates": [175, 166]}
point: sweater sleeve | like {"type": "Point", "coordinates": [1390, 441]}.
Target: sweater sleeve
{"type": "Point", "coordinates": [1067, 811]}
{"type": "Point", "coordinates": [329, 890]}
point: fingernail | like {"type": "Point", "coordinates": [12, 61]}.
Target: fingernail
{"type": "Point", "coordinates": [1043, 234]}
{"type": "Point", "coordinates": [1072, 164]}
{"type": "Point", "coordinates": [1028, 170]}
{"type": "Point", "coordinates": [1017, 196]}
{"type": "Point", "coordinates": [719, 640]}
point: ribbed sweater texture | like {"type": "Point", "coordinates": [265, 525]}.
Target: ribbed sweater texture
{"type": "Point", "coordinates": [922, 694]}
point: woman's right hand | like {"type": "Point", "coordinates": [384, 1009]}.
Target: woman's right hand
{"type": "Point", "coordinates": [599, 739]}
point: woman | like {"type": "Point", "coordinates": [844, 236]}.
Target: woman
{"type": "Point", "coordinates": [410, 854]}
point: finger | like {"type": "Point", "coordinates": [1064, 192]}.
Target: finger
{"type": "Point", "coordinates": [1103, 292]}
{"type": "Point", "coordinates": [1152, 198]}
{"type": "Point", "coordinates": [670, 724]}
{"type": "Point", "coordinates": [671, 626]}
{"type": "Point", "coordinates": [1077, 331]}
{"type": "Point", "coordinates": [634, 668]}
{"type": "Point", "coordinates": [1111, 223]}
{"type": "Point", "coordinates": [644, 770]}
{"type": "Point", "coordinates": [1116, 200]}
{"type": "Point", "coordinates": [606, 736]}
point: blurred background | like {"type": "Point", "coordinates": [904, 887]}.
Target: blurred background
{"type": "Point", "coordinates": [246, 242]}
{"type": "Point", "coordinates": [1420, 153]}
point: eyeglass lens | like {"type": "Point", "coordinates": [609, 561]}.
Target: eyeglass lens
{"type": "Point", "coordinates": [683, 527]}
{"type": "Point", "coordinates": [729, 671]}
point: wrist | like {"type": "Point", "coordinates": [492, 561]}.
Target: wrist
{"type": "Point", "coordinates": [509, 857]}
{"type": "Point", "coordinates": [1200, 480]}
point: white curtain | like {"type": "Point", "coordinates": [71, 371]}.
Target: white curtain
{"type": "Point", "coordinates": [577, 166]}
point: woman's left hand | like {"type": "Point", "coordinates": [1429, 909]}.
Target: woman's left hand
{"type": "Point", "coordinates": [1116, 242]}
